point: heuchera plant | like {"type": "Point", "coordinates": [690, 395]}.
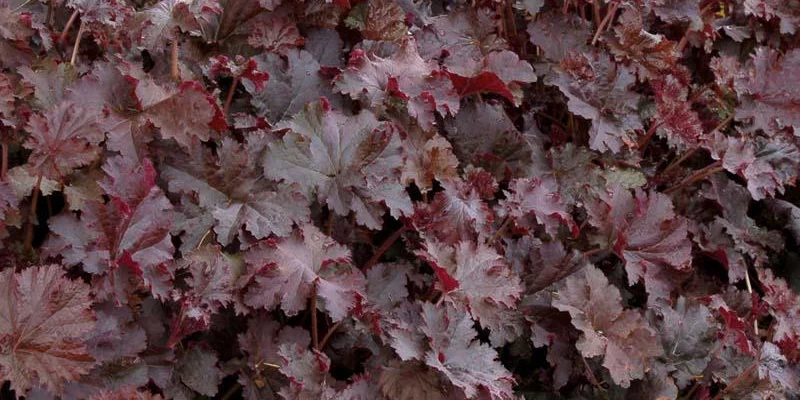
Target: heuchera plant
{"type": "Point", "coordinates": [399, 199]}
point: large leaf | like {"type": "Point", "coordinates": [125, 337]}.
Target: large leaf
{"type": "Point", "coordinates": [43, 319]}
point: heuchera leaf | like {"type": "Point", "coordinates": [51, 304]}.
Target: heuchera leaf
{"type": "Point", "coordinates": [289, 271]}
{"type": "Point", "coordinates": [352, 164]}
{"type": "Point", "coordinates": [62, 139]}
{"type": "Point", "coordinates": [404, 76]}
{"type": "Point", "coordinates": [474, 55]}
{"type": "Point", "coordinates": [676, 120]}
{"type": "Point", "coordinates": [307, 371]}
{"type": "Point", "coordinates": [623, 337]}
{"type": "Point", "coordinates": [43, 319]}
{"type": "Point", "coordinates": [765, 100]}
{"type": "Point", "coordinates": [476, 278]}
{"type": "Point", "coordinates": [231, 188]}
{"type": "Point", "coordinates": [539, 198]}
{"type": "Point", "coordinates": [599, 90]}
{"type": "Point", "coordinates": [645, 231]}
{"type": "Point", "coordinates": [467, 364]}
{"type": "Point", "coordinates": [293, 83]}
{"type": "Point", "coordinates": [127, 236]}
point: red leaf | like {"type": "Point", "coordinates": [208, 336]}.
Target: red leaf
{"type": "Point", "coordinates": [43, 320]}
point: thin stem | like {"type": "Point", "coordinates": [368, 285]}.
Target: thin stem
{"type": "Point", "coordinates": [329, 334]}
{"type": "Point", "coordinates": [645, 140]}
{"type": "Point", "coordinates": [697, 176]}
{"type": "Point", "coordinates": [51, 5]}
{"type": "Point", "coordinates": [4, 167]}
{"type": "Point", "coordinates": [74, 57]}
{"type": "Point", "coordinates": [596, 11]}
{"type": "Point", "coordinates": [21, 6]}
{"type": "Point", "coordinates": [499, 231]}
{"type": "Point", "coordinates": [590, 374]}
{"type": "Point", "coordinates": [702, 89]}
{"type": "Point", "coordinates": [203, 239]}
{"type": "Point", "coordinates": [734, 382]}
{"type": "Point", "coordinates": [609, 16]}
{"type": "Point", "coordinates": [173, 62]}
{"type": "Point", "coordinates": [750, 290]}
{"type": "Point", "coordinates": [384, 247]}
{"type": "Point", "coordinates": [692, 390]}
{"type": "Point", "coordinates": [70, 21]}
{"type": "Point", "coordinates": [313, 309]}
{"type": "Point", "coordinates": [329, 223]}
{"type": "Point", "coordinates": [689, 153]}
{"type": "Point", "coordinates": [680, 160]}
{"type": "Point", "coordinates": [589, 253]}
{"type": "Point", "coordinates": [28, 245]}
{"type": "Point", "coordinates": [229, 98]}
{"type": "Point", "coordinates": [235, 388]}
{"type": "Point", "coordinates": [685, 38]}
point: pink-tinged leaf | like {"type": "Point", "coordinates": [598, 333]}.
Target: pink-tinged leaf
{"type": "Point", "coordinates": [457, 213]}
{"type": "Point", "coordinates": [170, 115]}
{"type": "Point", "coordinates": [387, 285]}
{"type": "Point", "coordinates": [688, 334]}
{"type": "Point", "coordinates": [474, 56]}
{"type": "Point", "coordinates": [307, 371]}
{"type": "Point", "coordinates": [764, 97]}
{"type": "Point", "coordinates": [378, 20]}
{"type": "Point", "coordinates": [352, 164]}
{"type": "Point", "coordinates": [7, 96]}
{"type": "Point", "coordinates": [293, 82]}
{"type": "Point", "coordinates": [287, 270]}
{"type": "Point", "coordinates": [655, 243]}
{"type": "Point", "coordinates": [116, 335]}
{"type": "Point", "coordinates": [412, 381]}
{"type": "Point", "coordinates": [599, 90]}
{"type": "Point", "coordinates": [748, 238]}
{"type": "Point", "coordinates": [278, 35]}
{"type": "Point", "coordinates": [121, 241]}
{"type": "Point", "coordinates": [539, 264]}
{"type": "Point", "coordinates": [43, 319]}
{"type": "Point", "coordinates": [623, 337]}
{"type": "Point", "coordinates": [210, 287]}
{"type": "Point", "coordinates": [677, 11]}
{"type": "Point", "coordinates": [466, 363]}
{"type": "Point", "coordinates": [483, 284]}
{"type": "Point", "coordinates": [786, 13]}
{"type": "Point", "coordinates": [160, 24]}
{"type": "Point", "coordinates": [405, 75]}
{"type": "Point", "coordinates": [429, 156]}
{"type": "Point", "coordinates": [482, 134]}
{"type": "Point", "coordinates": [64, 138]}
{"type": "Point", "coordinates": [237, 68]}
{"type": "Point", "coordinates": [485, 82]}
{"type": "Point", "coordinates": [508, 67]}
{"type": "Point", "coordinates": [126, 393]}
{"type": "Point", "coordinates": [652, 54]}
{"type": "Point", "coordinates": [263, 338]}
{"type": "Point", "coordinates": [461, 40]}
{"type": "Point", "coordinates": [540, 199]}
{"type": "Point", "coordinates": [735, 331]}
{"type": "Point", "coordinates": [558, 34]}
{"type": "Point", "coordinates": [784, 307]}
{"type": "Point", "coordinates": [768, 164]}
{"type": "Point", "coordinates": [230, 188]}
{"type": "Point", "coordinates": [677, 121]}
{"type": "Point", "coordinates": [644, 231]}
{"type": "Point", "coordinates": [111, 13]}
{"type": "Point", "coordinates": [196, 371]}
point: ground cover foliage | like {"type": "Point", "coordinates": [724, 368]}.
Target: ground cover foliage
{"type": "Point", "coordinates": [399, 199]}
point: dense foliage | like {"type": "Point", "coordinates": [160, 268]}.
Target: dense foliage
{"type": "Point", "coordinates": [399, 199]}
